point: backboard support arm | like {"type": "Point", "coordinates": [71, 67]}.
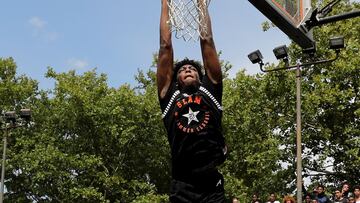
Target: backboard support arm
{"type": "Point", "coordinates": [315, 21]}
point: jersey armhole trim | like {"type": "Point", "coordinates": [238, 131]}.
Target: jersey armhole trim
{"type": "Point", "coordinates": [171, 101]}
{"type": "Point", "coordinates": [213, 99]}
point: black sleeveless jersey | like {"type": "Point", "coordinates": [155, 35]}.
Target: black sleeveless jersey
{"type": "Point", "coordinates": [193, 124]}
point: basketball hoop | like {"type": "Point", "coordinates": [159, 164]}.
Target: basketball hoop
{"type": "Point", "coordinates": [186, 19]}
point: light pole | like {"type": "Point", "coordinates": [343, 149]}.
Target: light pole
{"type": "Point", "coordinates": [3, 165]}
{"type": "Point", "coordinates": [11, 122]}
{"type": "Point", "coordinates": [281, 53]}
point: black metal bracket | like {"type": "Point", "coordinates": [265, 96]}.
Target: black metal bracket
{"type": "Point", "coordinates": [287, 67]}
{"type": "Point", "coordinates": [318, 18]}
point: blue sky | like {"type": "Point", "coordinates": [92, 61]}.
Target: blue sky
{"type": "Point", "coordinates": [119, 37]}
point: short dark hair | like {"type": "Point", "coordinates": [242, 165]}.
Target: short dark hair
{"type": "Point", "coordinates": [322, 186]}
{"type": "Point", "coordinates": [307, 195]}
{"type": "Point", "coordinates": [187, 61]}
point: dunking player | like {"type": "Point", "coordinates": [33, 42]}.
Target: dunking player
{"type": "Point", "coordinates": [191, 108]}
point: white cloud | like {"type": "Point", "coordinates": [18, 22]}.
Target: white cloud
{"type": "Point", "coordinates": [77, 63]}
{"type": "Point", "coordinates": [37, 23]}
{"type": "Point", "coordinates": [40, 30]}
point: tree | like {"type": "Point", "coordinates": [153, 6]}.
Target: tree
{"type": "Point", "coordinates": [260, 118]}
{"type": "Point", "coordinates": [85, 144]}
{"type": "Point", "coordinates": [89, 142]}
{"type": "Point", "coordinates": [331, 106]}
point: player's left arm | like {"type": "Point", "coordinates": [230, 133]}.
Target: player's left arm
{"type": "Point", "coordinates": [210, 57]}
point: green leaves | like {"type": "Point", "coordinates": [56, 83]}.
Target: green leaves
{"type": "Point", "coordinates": [89, 142]}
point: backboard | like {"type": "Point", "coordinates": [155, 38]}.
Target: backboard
{"type": "Point", "coordinates": [290, 17]}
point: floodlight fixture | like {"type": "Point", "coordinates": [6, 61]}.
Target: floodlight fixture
{"type": "Point", "coordinates": [337, 43]}
{"type": "Point", "coordinates": [10, 116]}
{"type": "Point", "coordinates": [12, 123]}
{"type": "Point", "coordinates": [25, 114]}
{"type": "Point", "coordinates": [280, 52]}
{"type": "Point", "coordinates": [256, 57]}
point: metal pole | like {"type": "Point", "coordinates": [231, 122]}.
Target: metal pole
{"type": "Point", "coordinates": [3, 167]}
{"type": "Point", "coordinates": [343, 16]}
{"type": "Point", "coordinates": [298, 135]}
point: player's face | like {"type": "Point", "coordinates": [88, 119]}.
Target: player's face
{"type": "Point", "coordinates": [188, 75]}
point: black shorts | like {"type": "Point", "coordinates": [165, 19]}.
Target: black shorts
{"type": "Point", "coordinates": [200, 190]}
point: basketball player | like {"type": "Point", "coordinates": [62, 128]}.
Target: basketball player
{"type": "Point", "coordinates": [191, 102]}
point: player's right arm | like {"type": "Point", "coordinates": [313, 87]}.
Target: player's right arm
{"type": "Point", "coordinates": [165, 62]}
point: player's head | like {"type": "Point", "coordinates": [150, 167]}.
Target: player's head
{"type": "Point", "coordinates": [188, 73]}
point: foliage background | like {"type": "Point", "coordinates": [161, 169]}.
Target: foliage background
{"type": "Point", "coordinates": [89, 142]}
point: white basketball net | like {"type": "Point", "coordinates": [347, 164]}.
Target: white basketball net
{"type": "Point", "coordinates": [186, 18]}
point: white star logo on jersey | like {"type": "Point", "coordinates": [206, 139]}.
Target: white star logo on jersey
{"type": "Point", "coordinates": [191, 116]}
